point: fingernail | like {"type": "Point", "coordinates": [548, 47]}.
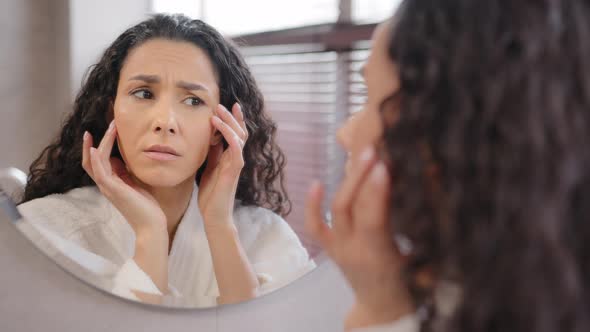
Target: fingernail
{"type": "Point", "coordinates": [379, 173]}
{"type": "Point", "coordinates": [367, 154]}
{"type": "Point", "coordinates": [112, 125]}
{"type": "Point", "coordinates": [216, 119]}
{"type": "Point", "coordinates": [85, 136]}
{"type": "Point", "coordinates": [315, 186]}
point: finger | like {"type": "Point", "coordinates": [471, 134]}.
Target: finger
{"type": "Point", "coordinates": [86, 145]}
{"type": "Point", "coordinates": [235, 143]}
{"type": "Point", "coordinates": [100, 175]}
{"type": "Point", "coordinates": [239, 115]}
{"type": "Point", "coordinates": [231, 121]}
{"type": "Point", "coordinates": [119, 169]}
{"type": "Point", "coordinates": [372, 207]}
{"type": "Point", "coordinates": [213, 158]}
{"type": "Point", "coordinates": [314, 222]}
{"type": "Point", "coordinates": [346, 194]}
{"type": "Point", "coordinates": [107, 142]}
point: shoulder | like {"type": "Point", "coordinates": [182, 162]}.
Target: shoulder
{"type": "Point", "coordinates": [260, 226]}
{"type": "Point", "coordinates": [85, 198]}
{"type": "Point", "coordinates": [259, 219]}
{"type": "Point", "coordinates": [66, 212]}
{"type": "Point", "coordinates": [255, 215]}
{"type": "Point", "coordinates": [273, 248]}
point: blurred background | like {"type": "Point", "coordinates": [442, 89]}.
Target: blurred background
{"type": "Point", "coordinates": [305, 55]}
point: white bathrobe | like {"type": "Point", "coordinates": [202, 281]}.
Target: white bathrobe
{"type": "Point", "coordinates": [409, 323]}
{"type": "Point", "coordinates": [85, 218]}
{"type": "Point", "coordinates": [447, 296]}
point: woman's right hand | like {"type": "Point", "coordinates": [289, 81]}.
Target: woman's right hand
{"type": "Point", "coordinates": [138, 207]}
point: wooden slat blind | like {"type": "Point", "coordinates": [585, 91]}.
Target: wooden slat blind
{"type": "Point", "coordinates": [309, 93]}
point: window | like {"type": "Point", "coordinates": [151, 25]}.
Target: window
{"type": "Point", "coordinates": [191, 8]}
{"type": "Point", "coordinates": [372, 11]}
{"type": "Point", "coordinates": [233, 17]}
{"type": "Point", "coordinates": [309, 92]}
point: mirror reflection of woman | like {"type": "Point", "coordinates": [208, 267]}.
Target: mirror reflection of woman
{"type": "Point", "coordinates": [466, 198]}
{"type": "Point", "coordinates": [168, 166]}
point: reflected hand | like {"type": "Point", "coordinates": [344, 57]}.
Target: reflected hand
{"type": "Point", "coordinates": [110, 174]}
{"type": "Point", "coordinates": [217, 191]}
{"type": "Point", "coordinates": [361, 242]}
{"type": "Point", "coordinates": [219, 182]}
{"type": "Point", "coordinates": [138, 207]}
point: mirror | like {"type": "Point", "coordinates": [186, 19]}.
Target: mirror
{"type": "Point", "coordinates": [310, 84]}
{"type": "Point", "coordinates": [12, 182]}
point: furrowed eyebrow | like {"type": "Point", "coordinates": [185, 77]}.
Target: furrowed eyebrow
{"type": "Point", "coordinates": [153, 79]}
{"type": "Point", "coordinates": [146, 78]}
{"type": "Point", "coordinates": [191, 86]}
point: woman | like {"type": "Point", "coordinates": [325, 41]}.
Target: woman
{"type": "Point", "coordinates": [466, 201]}
{"type": "Point", "coordinates": [154, 172]}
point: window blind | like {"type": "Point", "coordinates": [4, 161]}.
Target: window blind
{"type": "Point", "coordinates": [309, 93]}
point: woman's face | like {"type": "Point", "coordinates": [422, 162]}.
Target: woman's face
{"type": "Point", "coordinates": [166, 95]}
{"type": "Point", "coordinates": [364, 128]}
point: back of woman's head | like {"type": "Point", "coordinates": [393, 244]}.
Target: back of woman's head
{"type": "Point", "coordinates": [491, 161]}
{"type": "Point", "coordinates": [59, 169]}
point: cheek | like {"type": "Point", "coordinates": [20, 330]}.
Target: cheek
{"type": "Point", "coordinates": [375, 127]}
{"type": "Point", "coordinates": [371, 123]}
{"type": "Point", "coordinates": [122, 112]}
{"type": "Point", "coordinates": [127, 124]}
{"type": "Point", "coordinates": [198, 137]}
{"type": "Point", "coordinates": [360, 132]}
{"type": "Point", "coordinates": [363, 130]}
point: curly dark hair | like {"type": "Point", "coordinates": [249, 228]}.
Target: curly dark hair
{"type": "Point", "coordinates": [58, 168]}
{"type": "Point", "coordinates": [491, 160]}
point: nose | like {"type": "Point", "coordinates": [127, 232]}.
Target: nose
{"type": "Point", "coordinates": [344, 135]}
{"type": "Point", "coordinates": [165, 121]}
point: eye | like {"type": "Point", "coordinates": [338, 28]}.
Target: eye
{"type": "Point", "coordinates": [193, 101]}
{"type": "Point", "coordinates": [143, 94]}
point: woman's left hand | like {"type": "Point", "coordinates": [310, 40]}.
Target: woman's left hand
{"type": "Point", "coordinates": [235, 276]}
{"type": "Point", "coordinates": [219, 182]}
{"type": "Point", "coordinates": [361, 242]}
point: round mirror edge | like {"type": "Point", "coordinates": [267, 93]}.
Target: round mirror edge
{"type": "Point", "coordinates": [70, 266]}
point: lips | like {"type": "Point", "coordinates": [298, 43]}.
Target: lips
{"type": "Point", "coordinates": [162, 153]}
{"type": "Point", "coordinates": [162, 149]}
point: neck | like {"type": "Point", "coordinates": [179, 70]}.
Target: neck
{"type": "Point", "coordinates": [173, 201]}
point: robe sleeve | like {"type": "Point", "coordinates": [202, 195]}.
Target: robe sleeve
{"type": "Point", "coordinates": [130, 277]}
{"type": "Point", "coordinates": [74, 225]}
{"type": "Point", "coordinates": [125, 278]}
{"type": "Point", "coordinates": [274, 250]}
{"type": "Point", "coordinates": [408, 323]}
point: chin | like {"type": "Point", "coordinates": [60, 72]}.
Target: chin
{"type": "Point", "coordinates": [161, 178]}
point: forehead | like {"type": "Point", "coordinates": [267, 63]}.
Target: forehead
{"type": "Point", "coordinates": [380, 42]}
{"type": "Point", "coordinates": [380, 67]}
{"type": "Point", "coordinates": [158, 55]}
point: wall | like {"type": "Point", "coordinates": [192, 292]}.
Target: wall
{"type": "Point", "coordinates": [31, 90]}
{"type": "Point", "coordinates": [96, 24]}
{"type": "Point", "coordinates": [47, 48]}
